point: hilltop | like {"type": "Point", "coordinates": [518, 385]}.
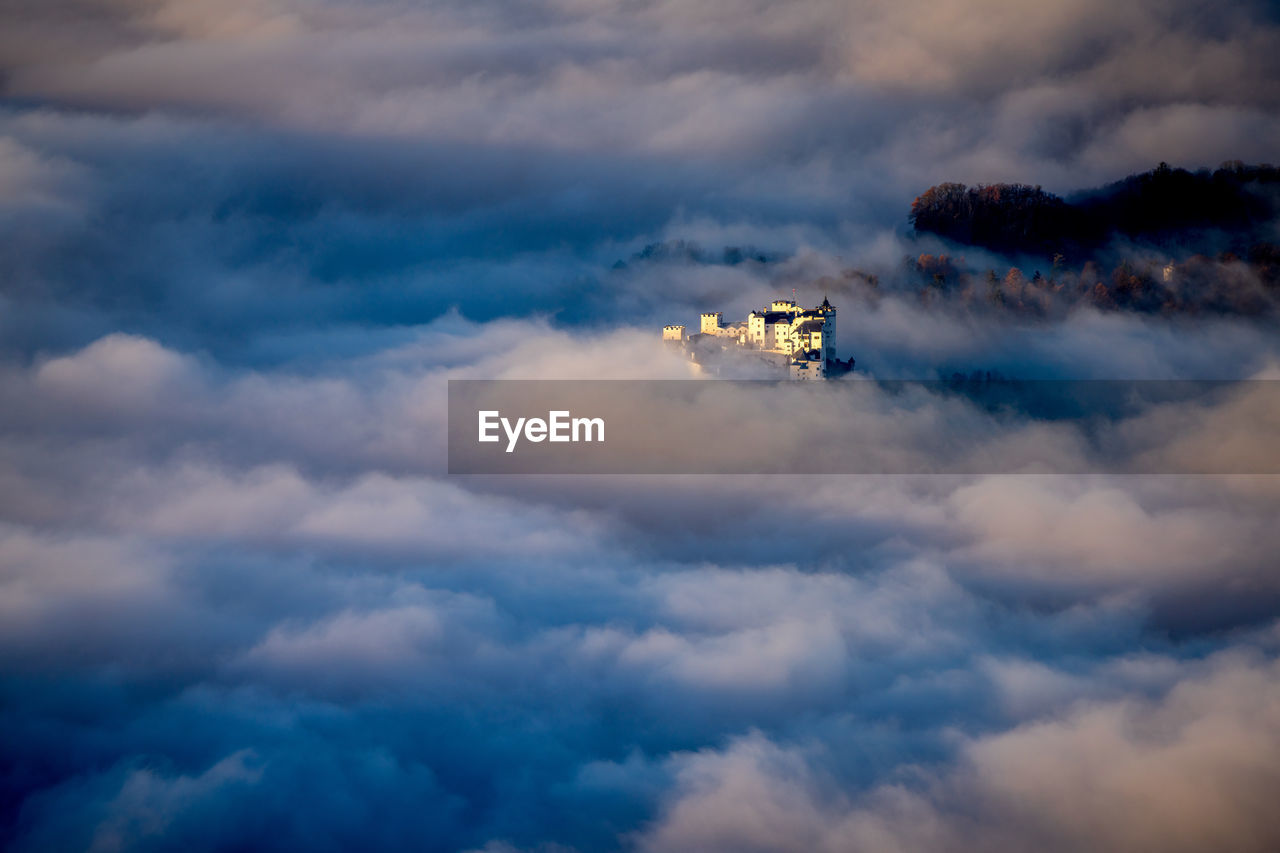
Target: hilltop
{"type": "Point", "coordinates": [1201, 211]}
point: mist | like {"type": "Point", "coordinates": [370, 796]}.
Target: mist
{"type": "Point", "coordinates": [245, 247]}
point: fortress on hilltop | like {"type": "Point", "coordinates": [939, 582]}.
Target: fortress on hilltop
{"type": "Point", "coordinates": [801, 341]}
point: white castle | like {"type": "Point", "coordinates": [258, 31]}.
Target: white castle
{"type": "Point", "coordinates": [802, 340]}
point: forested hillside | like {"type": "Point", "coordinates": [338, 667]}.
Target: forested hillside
{"type": "Point", "coordinates": [1165, 207]}
{"type": "Point", "coordinates": [1164, 241]}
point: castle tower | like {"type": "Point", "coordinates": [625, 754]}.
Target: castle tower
{"type": "Point", "coordinates": [828, 312]}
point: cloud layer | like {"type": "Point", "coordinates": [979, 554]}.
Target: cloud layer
{"type": "Point", "coordinates": [242, 606]}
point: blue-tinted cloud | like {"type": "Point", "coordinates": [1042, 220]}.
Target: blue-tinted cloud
{"type": "Point", "coordinates": [242, 607]}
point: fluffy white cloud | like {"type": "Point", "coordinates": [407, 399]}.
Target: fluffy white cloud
{"type": "Point", "coordinates": [1191, 769]}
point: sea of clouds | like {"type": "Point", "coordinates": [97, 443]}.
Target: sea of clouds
{"type": "Point", "coordinates": [243, 245]}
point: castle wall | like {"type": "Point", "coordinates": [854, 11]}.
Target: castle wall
{"type": "Point", "coordinates": [783, 330]}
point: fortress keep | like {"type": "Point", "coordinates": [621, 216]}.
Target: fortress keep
{"type": "Point", "coordinates": [799, 339]}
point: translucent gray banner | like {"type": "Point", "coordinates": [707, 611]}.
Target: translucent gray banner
{"type": "Point", "coordinates": [961, 426]}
